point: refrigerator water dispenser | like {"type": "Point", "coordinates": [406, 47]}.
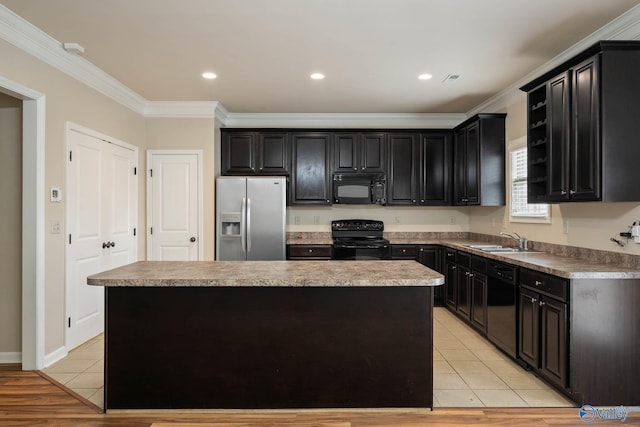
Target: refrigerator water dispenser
{"type": "Point", "coordinates": [230, 222]}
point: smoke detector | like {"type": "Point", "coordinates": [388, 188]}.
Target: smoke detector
{"type": "Point", "coordinates": [73, 48]}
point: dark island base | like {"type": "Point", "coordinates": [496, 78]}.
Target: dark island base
{"type": "Point", "coordinates": [274, 347]}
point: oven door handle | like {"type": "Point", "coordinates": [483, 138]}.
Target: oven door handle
{"type": "Point", "coordinates": [348, 246]}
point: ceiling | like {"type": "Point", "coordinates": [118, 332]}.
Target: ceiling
{"type": "Point", "coordinates": [371, 51]}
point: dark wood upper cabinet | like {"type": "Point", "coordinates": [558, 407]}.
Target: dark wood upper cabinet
{"type": "Point", "coordinates": [479, 161]}
{"type": "Point", "coordinates": [273, 153]}
{"type": "Point", "coordinates": [310, 178]}
{"type": "Point", "coordinates": [254, 153]}
{"type": "Point", "coordinates": [360, 152]}
{"type": "Point", "coordinates": [238, 153]}
{"type": "Point", "coordinates": [402, 183]}
{"type": "Point", "coordinates": [435, 169]}
{"type": "Point", "coordinates": [582, 119]}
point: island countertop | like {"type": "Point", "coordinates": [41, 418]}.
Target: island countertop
{"type": "Point", "coordinates": [268, 274]}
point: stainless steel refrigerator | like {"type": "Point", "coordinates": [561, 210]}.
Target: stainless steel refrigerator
{"type": "Point", "coordinates": [250, 218]}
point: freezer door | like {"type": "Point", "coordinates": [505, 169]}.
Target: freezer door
{"type": "Point", "coordinates": [230, 232]}
{"type": "Point", "coordinates": [266, 217]}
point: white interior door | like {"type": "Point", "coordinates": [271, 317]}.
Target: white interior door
{"type": "Point", "coordinates": [101, 215]}
{"type": "Point", "coordinates": [173, 203]}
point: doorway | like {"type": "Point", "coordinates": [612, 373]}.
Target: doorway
{"type": "Point", "coordinates": [10, 226]}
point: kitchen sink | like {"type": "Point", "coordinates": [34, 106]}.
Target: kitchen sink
{"type": "Point", "coordinates": [499, 249]}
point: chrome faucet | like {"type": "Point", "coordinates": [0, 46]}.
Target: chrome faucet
{"type": "Point", "coordinates": [522, 241]}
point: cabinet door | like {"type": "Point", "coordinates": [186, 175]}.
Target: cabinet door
{"type": "Point", "coordinates": [529, 319]}
{"type": "Point", "coordinates": [464, 300]}
{"type": "Point", "coordinates": [479, 301]}
{"type": "Point", "coordinates": [554, 341]}
{"type": "Point", "coordinates": [373, 152]}
{"type": "Point", "coordinates": [310, 178]}
{"type": "Point", "coordinates": [238, 153]}
{"type": "Point", "coordinates": [273, 153]}
{"type": "Point", "coordinates": [345, 152]}
{"type": "Point", "coordinates": [473, 164]}
{"type": "Point", "coordinates": [430, 256]}
{"type": "Point", "coordinates": [558, 150]}
{"type": "Point", "coordinates": [435, 170]}
{"type": "Point", "coordinates": [460, 168]}
{"type": "Point", "coordinates": [401, 188]}
{"type": "Point", "coordinates": [451, 286]}
{"type": "Point", "coordinates": [585, 141]}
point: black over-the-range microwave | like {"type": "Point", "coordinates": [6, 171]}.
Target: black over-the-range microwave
{"type": "Point", "coordinates": [360, 188]}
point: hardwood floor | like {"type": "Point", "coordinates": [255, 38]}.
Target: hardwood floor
{"type": "Point", "coordinates": [30, 398]}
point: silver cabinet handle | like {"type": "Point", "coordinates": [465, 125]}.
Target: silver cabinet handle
{"type": "Point", "coordinates": [572, 192]}
{"type": "Point", "coordinates": [542, 303]}
{"type": "Point", "coordinates": [562, 192]}
{"type": "Point", "coordinates": [538, 283]}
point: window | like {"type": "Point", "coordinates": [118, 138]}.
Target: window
{"type": "Point", "coordinates": [521, 211]}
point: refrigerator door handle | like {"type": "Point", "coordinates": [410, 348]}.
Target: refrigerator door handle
{"type": "Point", "coordinates": [243, 225]}
{"type": "Point", "coordinates": [248, 224]}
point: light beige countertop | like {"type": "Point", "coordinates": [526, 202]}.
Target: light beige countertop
{"type": "Point", "coordinates": [562, 266]}
{"type": "Point", "coordinates": [270, 274]}
{"type": "Point", "coordinates": [567, 266]}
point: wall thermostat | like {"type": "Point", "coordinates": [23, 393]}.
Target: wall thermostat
{"type": "Point", "coordinates": [56, 194]}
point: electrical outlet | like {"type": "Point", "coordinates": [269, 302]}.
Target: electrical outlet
{"type": "Point", "coordinates": [55, 226]}
{"type": "Point", "coordinates": [397, 220]}
{"type": "Point", "coordinates": [566, 226]}
{"type": "Point", "coordinates": [316, 219]}
{"type": "Point", "coordinates": [452, 219]}
{"type": "Point", "coordinates": [493, 221]}
{"type": "Point", "coordinates": [296, 220]}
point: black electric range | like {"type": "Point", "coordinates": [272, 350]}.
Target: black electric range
{"type": "Point", "coordinates": [359, 239]}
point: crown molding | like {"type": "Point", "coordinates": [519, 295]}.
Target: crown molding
{"type": "Point", "coordinates": [344, 120]}
{"type": "Point", "coordinates": [624, 27]}
{"type": "Point", "coordinates": [23, 35]}
{"type": "Point", "coordinates": [181, 109]}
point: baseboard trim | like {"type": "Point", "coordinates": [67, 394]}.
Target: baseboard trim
{"type": "Point", "coordinates": [10, 357]}
{"type": "Point", "coordinates": [54, 356]}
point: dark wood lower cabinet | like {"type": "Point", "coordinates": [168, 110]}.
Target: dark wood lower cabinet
{"type": "Point", "coordinates": [431, 256]}
{"type": "Point", "coordinates": [544, 327]}
{"type": "Point", "coordinates": [309, 252]}
{"type": "Point", "coordinates": [268, 347]}
{"type": "Point", "coordinates": [478, 285]}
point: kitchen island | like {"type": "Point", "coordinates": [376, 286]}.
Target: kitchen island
{"type": "Point", "coordinates": [268, 334]}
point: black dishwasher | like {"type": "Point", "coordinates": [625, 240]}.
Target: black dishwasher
{"type": "Point", "coordinates": [501, 305]}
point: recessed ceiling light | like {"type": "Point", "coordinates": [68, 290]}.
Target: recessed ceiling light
{"type": "Point", "coordinates": [209, 75]}
{"type": "Point", "coordinates": [317, 76]}
{"type": "Point", "coordinates": [425, 76]}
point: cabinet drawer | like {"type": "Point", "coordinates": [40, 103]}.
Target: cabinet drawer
{"type": "Point", "coordinates": [310, 251]}
{"type": "Point", "coordinates": [479, 264]}
{"type": "Point", "coordinates": [449, 255]}
{"type": "Point", "coordinates": [544, 283]}
{"type": "Point", "coordinates": [404, 251]}
{"type": "Point", "coordinates": [464, 259]}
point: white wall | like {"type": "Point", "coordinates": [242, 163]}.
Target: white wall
{"type": "Point", "coordinates": [10, 225]}
{"type": "Point", "coordinates": [588, 225]}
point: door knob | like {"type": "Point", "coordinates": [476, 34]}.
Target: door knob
{"type": "Point", "coordinates": [192, 240]}
{"type": "Point", "coordinates": [113, 244]}
{"type": "Point", "coordinates": [105, 245]}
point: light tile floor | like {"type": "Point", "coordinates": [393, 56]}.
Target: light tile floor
{"type": "Point", "coordinates": [470, 371]}
{"type": "Point", "coordinates": [467, 369]}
